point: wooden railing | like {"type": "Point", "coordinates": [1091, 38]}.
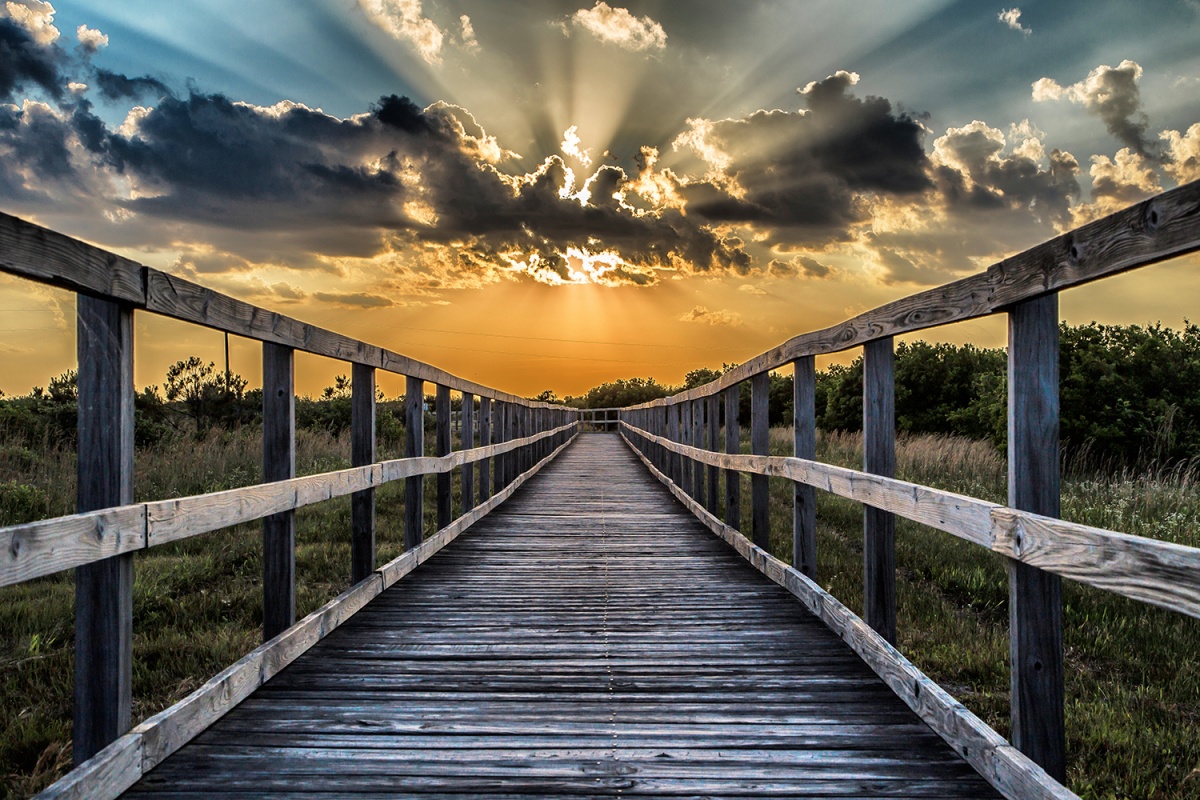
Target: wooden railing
{"type": "Point", "coordinates": [680, 438]}
{"type": "Point", "coordinates": [515, 437]}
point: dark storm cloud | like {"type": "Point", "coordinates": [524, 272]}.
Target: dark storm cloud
{"type": "Point", "coordinates": [114, 86]}
{"type": "Point", "coordinates": [24, 61]}
{"type": "Point", "coordinates": [803, 173]}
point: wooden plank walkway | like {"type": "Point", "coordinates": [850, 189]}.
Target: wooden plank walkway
{"type": "Point", "coordinates": [588, 638]}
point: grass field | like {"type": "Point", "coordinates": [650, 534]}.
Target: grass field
{"type": "Point", "coordinates": [1133, 672]}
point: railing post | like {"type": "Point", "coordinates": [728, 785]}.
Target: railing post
{"type": "Point", "coordinates": [104, 589]}
{"type": "Point", "coordinates": [485, 438]}
{"type": "Point", "coordinates": [362, 453]}
{"type": "Point", "coordinates": [414, 447]}
{"type": "Point", "coordinates": [279, 463]}
{"type": "Point", "coordinates": [499, 433]}
{"type": "Point", "coordinates": [804, 435]}
{"type": "Point", "coordinates": [733, 444]}
{"type": "Point", "coordinates": [760, 511]}
{"type": "Point", "coordinates": [1035, 596]}
{"type": "Point", "coordinates": [879, 457]}
{"type": "Point", "coordinates": [674, 459]}
{"type": "Point", "coordinates": [686, 465]}
{"type": "Point", "coordinates": [713, 444]}
{"type": "Point", "coordinates": [698, 442]}
{"type": "Point", "coordinates": [467, 441]}
{"type": "Point", "coordinates": [445, 506]}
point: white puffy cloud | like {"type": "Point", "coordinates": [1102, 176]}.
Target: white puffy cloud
{"type": "Point", "coordinates": [616, 26]}
{"type": "Point", "coordinates": [90, 38]}
{"type": "Point", "coordinates": [405, 21]}
{"type": "Point", "coordinates": [1117, 182]}
{"type": "Point", "coordinates": [1183, 154]}
{"type": "Point", "coordinates": [1012, 18]}
{"type": "Point", "coordinates": [468, 34]}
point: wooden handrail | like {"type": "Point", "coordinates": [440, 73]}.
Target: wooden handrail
{"type": "Point", "coordinates": [36, 549]}
{"type": "Point", "coordinates": [1151, 571]}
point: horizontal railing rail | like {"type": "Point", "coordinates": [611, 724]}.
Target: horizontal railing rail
{"type": "Point", "coordinates": [35, 549]}
{"type": "Point", "coordinates": [682, 438]}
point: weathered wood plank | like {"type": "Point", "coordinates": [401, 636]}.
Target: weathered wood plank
{"type": "Point", "coordinates": [467, 440]}
{"type": "Point", "coordinates": [445, 511]}
{"type": "Point", "coordinates": [103, 589]}
{"type": "Point", "coordinates": [712, 443]}
{"type": "Point", "coordinates": [1035, 596]}
{"type": "Point", "coordinates": [362, 453]}
{"type": "Point", "coordinates": [879, 458]}
{"type": "Point", "coordinates": [114, 769]}
{"type": "Point", "coordinates": [804, 436]}
{"type": "Point", "coordinates": [34, 549]}
{"type": "Point", "coordinates": [38, 253]}
{"type": "Point", "coordinates": [733, 446]}
{"type": "Point", "coordinates": [760, 511]}
{"type": "Point", "coordinates": [486, 437]}
{"type": "Point", "coordinates": [279, 464]}
{"type": "Point", "coordinates": [414, 447]}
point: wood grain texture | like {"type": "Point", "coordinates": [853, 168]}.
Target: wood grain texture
{"type": "Point", "coordinates": [760, 444]}
{"type": "Point", "coordinates": [486, 437]}
{"type": "Point", "coordinates": [279, 464]}
{"type": "Point", "coordinates": [713, 444]}
{"type": "Point", "coordinates": [1153, 230]}
{"type": "Point", "coordinates": [414, 447]}
{"type": "Point", "coordinates": [1008, 770]}
{"type": "Point", "coordinates": [103, 589]}
{"type": "Point", "coordinates": [1035, 596]}
{"type": "Point", "coordinates": [43, 255]}
{"type": "Point", "coordinates": [362, 453]}
{"type": "Point", "coordinates": [105, 775]}
{"type": "Point", "coordinates": [467, 441]}
{"type": "Point", "coordinates": [804, 441]}
{"type": "Point", "coordinates": [34, 549]}
{"type": "Point", "coordinates": [733, 445]}
{"type": "Point", "coordinates": [445, 510]}
{"type": "Point", "coordinates": [879, 458]}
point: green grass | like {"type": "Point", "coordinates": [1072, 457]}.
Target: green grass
{"type": "Point", "coordinates": [1133, 676]}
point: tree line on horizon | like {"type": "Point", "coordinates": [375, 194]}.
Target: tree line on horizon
{"type": "Point", "coordinates": [1129, 393]}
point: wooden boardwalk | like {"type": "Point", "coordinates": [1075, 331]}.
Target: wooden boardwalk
{"type": "Point", "coordinates": [588, 638]}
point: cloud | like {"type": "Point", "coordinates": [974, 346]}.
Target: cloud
{"type": "Point", "coordinates": [803, 174]}
{"type": "Point", "coordinates": [28, 53]}
{"type": "Point", "coordinates": [90, 39]}
{"type": "Point", "coordinates": [1182, 160]}
{"type": "Point", "coordinates": [404, 21]}
{"type": "Point", "coordinates": [974, 173]}
{"type": "Point", "coordinates": [1012, 18]}
{"type": "Point", "coordinates": [1116, 183]}
{"type": "Point", "coordinates": [701, 315]}
{"type": "Point", "coordinates": [750, 288]}
{"type": "Point", "coordinates": [616, 26]}
{"type": "Point", "coordinates": [354, 299]}
{"type": "Point", "coordinates": [469, 42]}
{"type": "Point", "coordinates": [1112, 94]}
{"type": "Point", "coordinates": [114, 86]}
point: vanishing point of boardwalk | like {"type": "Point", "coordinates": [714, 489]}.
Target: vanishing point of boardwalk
{"type": "Point", "coordinates": [588, 638]}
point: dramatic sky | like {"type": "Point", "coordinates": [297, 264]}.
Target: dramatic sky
{"type": "Point", "coordinates": [549, 194]}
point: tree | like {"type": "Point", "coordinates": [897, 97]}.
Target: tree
{"type": "Point", "coordinates": [205, 394]}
